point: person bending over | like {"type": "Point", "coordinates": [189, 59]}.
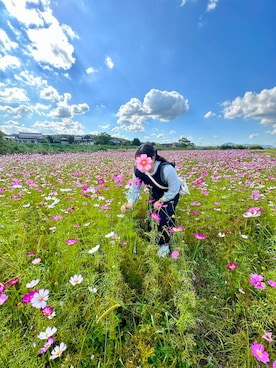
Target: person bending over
{"type": "Point", "coordinates": [163, 182]}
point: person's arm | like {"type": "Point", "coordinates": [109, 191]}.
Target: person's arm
{"type": "Point", "coordinates": [133, 194]}
{"type": "Point", "coordinates": [170, 176]}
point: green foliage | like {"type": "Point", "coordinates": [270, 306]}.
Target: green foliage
{"type": "Point", "coordinates": [132, 308]}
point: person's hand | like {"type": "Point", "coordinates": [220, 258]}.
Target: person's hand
{"type": "Point", "coordinates": [157, 205]}
{"type": "Point", "coordinates": [126, 207]}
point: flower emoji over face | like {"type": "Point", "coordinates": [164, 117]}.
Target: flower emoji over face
{"type": "Point", "coordinates": [143, 162]}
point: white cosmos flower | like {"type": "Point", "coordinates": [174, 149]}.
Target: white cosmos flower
{"type": "Point", "coordinates": [76, 279]}
{"type": "Point", "coordinates": [32, 283]}
{"type": "Point", "coordinates": [221, 235]}
{"type": "Point", "coordinates": [58, 350]}
{"type": "Point", "coordinates": [244, 236]}
{"type": "Point", "coordinates": [92, 289]}
{"type": "Point", "coordinates": [50, 331]}
{"type": "Point", "coordinates": [93, 250]}
{"type": "Point", "coordinates": [39, 298]}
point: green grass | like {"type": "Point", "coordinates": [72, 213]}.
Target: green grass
{"type": "Point", "coordinates": [133, 309]}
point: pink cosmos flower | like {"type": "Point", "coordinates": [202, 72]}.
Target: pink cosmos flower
{"type": "Point", "coordinates": [175, 229]}
{"type": "Point", "coordinates": [143, 162]}
{"type": "Point", "coordinates": [253, 212]}
{"type": "Point", "coordinates": [2, 287]}
{"type": "Point", "coordinates": [272, 283]}
{"type": "Point", "coordinates": [71, 241]}
{"type": "Point", "coordinates": [47, 311]}
{"type": "Point", "coordinates": [232, 266]}
{"type": "Point", "coordinates": [13, 282]}
{"type": "Point", "coordinates": [155, 216]}
{"type": "Point", "coordinates": [39, 298]}
{"type": "Point", "coordinates": [257, 281]}
{"type": "Point", "coordinates": [259, 352]}
{"type": "Point", "coordinates": [200, 236]}
{"type": "Point", "coordinates": [3, 298]}
{"type": "Point", "coordinates": [175, 254]}
{"type": "Point", "coordinates": [30, 254]}
{"type": "Point", "coordinates": [267, 336]}
{"type": "Point", "coordinates": [56, 218]}
{"type": "Point", "coordinates": [274, 364]}
{"type": "Point", "coordinates": [46, 345]}
{"type": "Point", "coordinates": [36, 260]}
{"type": "Point", "coordinates": [28, 297]}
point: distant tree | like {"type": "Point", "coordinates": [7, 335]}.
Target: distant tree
{"type": "Point", "coordinates": [71, 139]}
{"type": "Point", "coordinates": [103, 138]}
{"type": "Point", "coordinates": [256, 146]}
{"type": "Point", "coordinates": [49, 139]}
{"type": "Point", "coordinates": [4, 146]}
{"type": "Point", "coordinates": [184, 142]}
{"type": "Point", "coordinates": [136, 142]}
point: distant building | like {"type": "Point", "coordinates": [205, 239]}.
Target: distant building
{"type": "Point", "coordinates": [26, 137]}
{"type": "Point", "coordinates": [115, 141]}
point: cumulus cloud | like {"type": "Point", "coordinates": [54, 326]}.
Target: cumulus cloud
{"type": "Point", "coordinates": [91, 70]}
{"type": "Point", "coordinates": [12, 94]}
{"type": "Point", "coordinates": [11, 126]}
{"type": "Point", "coordinates": [64, 110]}
{"type": "Point", "coordinates": [18, 112]}
{"type": "Point", "coordinates": [28, 78]}
{"type": "Point", "coordinates": [109, 63]}
{"type": "Point", "coordinates": [50, 93]}
{"type": "Point", "coordinates": [209, 114]}
{"type": "Point", "coordinates": [9, 61]}
{"type": "Point", "coordinates": [65, 126]}
{"type": "Point", "coordinates": [254, 106]}
{"type": "Point", "coordinates": [49, 39]}
{"type": "Point", "coordinates": [212, 4]}
{"type": "Point", "coordinates": [254, 135]}
{"type": "Point", "coordinates": [157, 105]}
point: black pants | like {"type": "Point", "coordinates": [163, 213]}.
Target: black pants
{"type": "Point", "coordinates": [167, 219]}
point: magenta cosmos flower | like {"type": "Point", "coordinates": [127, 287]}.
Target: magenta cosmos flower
{"type": "Point", "coordinates": [200, 236]}
{"type": "Point", "coordinates": [232, 266]}
{"type": "Point", "coordinates": [143, 162]}
{"type": "Point", "coordinates": [257, 281]}
{"type": "Point", "coordinates": [267, 336]}
{"type": "Point", "coordinates": [71, 241]}
{"type": "Point", "coordinates": [175, 254]}
{"type": "Point", "coordinates": [3, 298]}
{"type": "Point", "coordinates": [155, 216]}
{"type": "Point", "coordinates": [175, 229]}
{"type": "Point", "coordinates": [28, 297]}
{"type": "Point", "coordinates": [259, 352]}
{"type": "Point", "coordinates": [272, 283]}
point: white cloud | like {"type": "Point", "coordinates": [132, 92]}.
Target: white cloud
{"type": "Point", "coordinates": [106, 126]}
{"type": "Point", "coordinates": [158, 105]}
{"type": "Point", "coordinates": [49, 41]}
{"type": "Point", "coordinates": [209, 114]}
{"type": "Point", "coordinates": [64, 110]}
{"type": "Point", "coordinates": [28, 78]}
{"type": "Point", "coordinates": [9, 61]}
{"type": "Point", "coordinates": [91, 70]}
{"type": "Point", "coordinates": [12, 95]}
{"type": "Point", "coordinates": [5, 43]}
{"type": "Point", "coordinates": [18, 112]}
{"type": "Point", "coordinates": [212, 4]}
{"type": "Point", "coordinates": [50, 93]}
{"type": "Point", "coordinates": [50, 46]}
{"type": "Point", "coordinates": [254, 106]}
{"type": "Point", "coordinates": [254, 135]}
{"type": "Point", "coordinates": [183, 2]}
{"type": "Point", "coordinates": [66, 126]}
{"type": "Point", "coordinates": [109, 63]}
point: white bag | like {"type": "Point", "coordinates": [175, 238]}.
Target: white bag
{"type": "Point", "coordinates": [183, 187]}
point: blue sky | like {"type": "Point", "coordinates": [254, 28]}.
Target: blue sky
{"type": "Point", "coordinates": [156, 70]}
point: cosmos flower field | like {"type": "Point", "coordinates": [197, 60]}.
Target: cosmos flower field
{"type": "Point", "coordinates": [81, 284]}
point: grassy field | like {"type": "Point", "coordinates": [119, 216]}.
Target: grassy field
{"type": "Point", "coordinates": [81, 284]}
